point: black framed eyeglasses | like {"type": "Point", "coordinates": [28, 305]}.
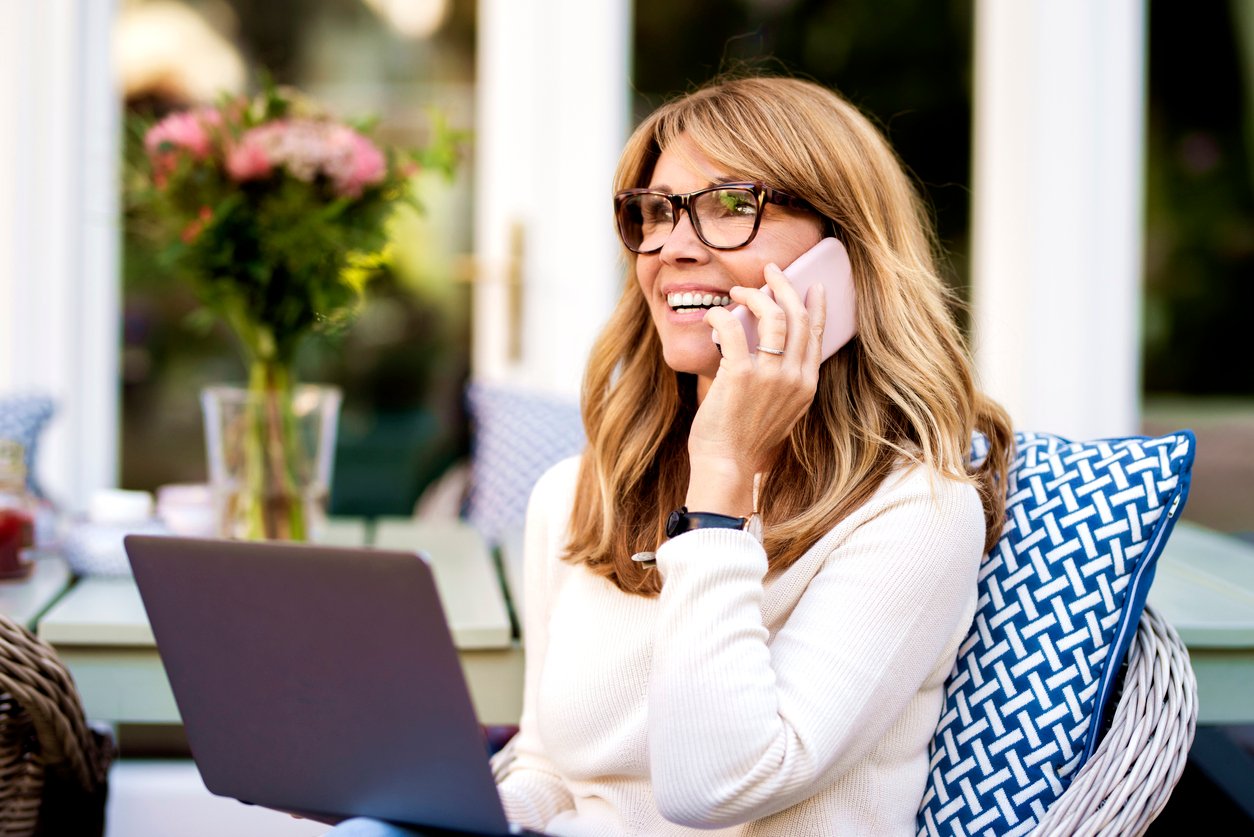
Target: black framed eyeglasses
{"type": "Point", "coordinates": [725, 216]}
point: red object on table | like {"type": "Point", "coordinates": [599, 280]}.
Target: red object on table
{"type": "Point", "coordinates": [17, 517]}
{"type": "Point", "coordinates": [17, 534]}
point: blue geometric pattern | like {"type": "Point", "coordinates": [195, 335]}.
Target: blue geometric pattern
{"type": "Point", "coordinates": [517, 434]}
{"type": "Point", "coordinates": [1060, 597]}
{"type": "Point", "coordinates": [22, 417]}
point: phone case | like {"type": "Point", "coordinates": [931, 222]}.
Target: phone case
{"type": "Point", "coordinates": [826, 263]}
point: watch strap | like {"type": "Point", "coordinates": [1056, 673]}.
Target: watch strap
{"type": "Point", "coordinates": [682, 520]}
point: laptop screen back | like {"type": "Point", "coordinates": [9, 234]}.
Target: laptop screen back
{"type": "Point", "coordinates": [318, 679]}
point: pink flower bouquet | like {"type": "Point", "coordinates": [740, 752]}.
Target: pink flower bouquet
{"type": "Point", "coordinates": [278, 213]}
{"type": "Point", "coordinates": [270, 206]}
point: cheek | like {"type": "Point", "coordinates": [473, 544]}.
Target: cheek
{"type": "Point", "coordinates": [749, 270]}
{"type": "Point", "coordinates": [646, 274]}
{"type": "Point", "coordinates": [646, 281]}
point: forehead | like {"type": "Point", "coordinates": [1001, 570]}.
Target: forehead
{"type": "Point", "coordinates": [682, 167]}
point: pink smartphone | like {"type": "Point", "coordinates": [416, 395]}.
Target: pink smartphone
{"type": "Point", "coordinates": [828, 264]}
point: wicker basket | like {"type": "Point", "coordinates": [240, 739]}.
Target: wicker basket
{"type": "Point", "coordinates": [53, 765]}
{"type": "Point", "coordinates": [1127, 782]}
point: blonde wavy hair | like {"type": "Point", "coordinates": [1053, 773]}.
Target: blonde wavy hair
{"type": "Point", "coordinates": [902, 389]}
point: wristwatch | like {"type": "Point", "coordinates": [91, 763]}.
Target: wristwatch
{"type": "Point", "coordinates": [682, 520]}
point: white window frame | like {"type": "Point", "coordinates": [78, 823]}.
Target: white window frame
{"type": "Point", "coordinates": [552, 112]}
{"type": "Point", "coordinates": [59, 250]}
{"type": "Point", "coordinates": [1057, 211]}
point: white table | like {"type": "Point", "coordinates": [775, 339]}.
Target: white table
{"type": "Point", "coordinates": [24, 600]}
{"type": "Point", "coordinates": [1204, 586]}
{"type": "Point", "coordinates": [100, 630]}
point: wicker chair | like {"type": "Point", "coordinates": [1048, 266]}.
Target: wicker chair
{"type": "Point", "coordinates": [1129, 778]}
{"type": "Point", "coordinates": [53, 765]}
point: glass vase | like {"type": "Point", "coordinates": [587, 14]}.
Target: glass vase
{"type": "Point", "coordinates": [270, 450]}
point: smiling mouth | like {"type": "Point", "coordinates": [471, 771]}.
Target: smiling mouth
{"type": "Point", "coordinates": [686, 301]}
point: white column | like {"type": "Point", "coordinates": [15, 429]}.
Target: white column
{"type": "Point", "coordinates": [59, 294]}
{"type": "Point", "coordinates": [1057, 211]}
{"type": "Point", "coordinates": [552, 115]}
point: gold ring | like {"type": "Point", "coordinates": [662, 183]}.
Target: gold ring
{"type": "Point", "coordinates": [770, 351]}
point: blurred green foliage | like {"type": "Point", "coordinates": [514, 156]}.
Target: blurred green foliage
{"type": "Point", "coordinates": [1199, 258]}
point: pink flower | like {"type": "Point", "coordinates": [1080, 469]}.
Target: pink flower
{"type": "Point", "coordinates": [184, 132]}
{"type": "Point", "coordinates": [249, 159]}
{"type": "Point", "coordinates": [367, 166]}
{"type": "Point", "coordinates": [307, 149]}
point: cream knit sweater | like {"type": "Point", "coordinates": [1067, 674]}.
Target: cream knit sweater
{"type": "Point", "coordinates": [751, 703]}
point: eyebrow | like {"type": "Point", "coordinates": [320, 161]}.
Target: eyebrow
{"type": "Point", "coordinates": [719, 181]}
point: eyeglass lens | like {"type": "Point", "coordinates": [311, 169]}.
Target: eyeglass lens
{"type": "Point", "coordinates": [722, 218]}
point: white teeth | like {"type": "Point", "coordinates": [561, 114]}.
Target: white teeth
{"type": "Point", "coordinates": [688, 299]}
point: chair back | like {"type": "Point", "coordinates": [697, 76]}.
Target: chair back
{"type": "Point", "coordinates": [516, 435]}
{"type": "Point", "coordinates": [53, 764]}
{"type": "Point", "coordinates": [1061, 596]}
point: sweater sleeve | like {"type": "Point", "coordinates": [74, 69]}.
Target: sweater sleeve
{"type": "Point", "coordinates": [531, 788]}
{"type": "Point", "coordinates": [739, 728]}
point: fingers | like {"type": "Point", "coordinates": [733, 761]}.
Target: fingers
{"type": "Point", "coordinates": [789, 329]}
{"type": "Point", "coordinates": [731, 337]}
{"type": "Point", "coordinates": [768, 322]}
{"type": "Point", "coordinates": [806, 318]}
{"type": "Point", "coordinates": [816, 309]}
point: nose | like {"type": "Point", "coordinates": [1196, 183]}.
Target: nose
{"type": "Point", "coordinates": [682, 245]}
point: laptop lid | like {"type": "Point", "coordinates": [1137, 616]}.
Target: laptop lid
{"type": "Point", "coordinates": [320, 680]}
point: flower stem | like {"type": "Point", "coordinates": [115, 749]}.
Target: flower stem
{"type": "Point", "coordinates": [275, 507]}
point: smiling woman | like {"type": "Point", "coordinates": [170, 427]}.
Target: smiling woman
{"type": "Point", "coordinates": [743, 598]}
{"type": "Point", "coordinates": [735, 512]}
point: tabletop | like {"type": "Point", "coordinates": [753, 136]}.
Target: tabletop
{"type": "Point", "coordinates": [100, 629]}
{"type": "Point", "coordinates": [107, 610]}
{"type": "Point", "coordinates": [24, 600]}
{"type": "Point", "coordinates": [1204, 587]}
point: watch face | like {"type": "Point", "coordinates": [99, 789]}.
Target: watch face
{"type": "Point", "coordinates": [672, 523]}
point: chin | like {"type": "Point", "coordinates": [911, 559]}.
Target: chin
{"type": "Point", "coordinates": [693, 360]}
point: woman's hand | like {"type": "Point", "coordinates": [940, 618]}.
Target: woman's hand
{"type": "Point", "coordinates": [755, 399]}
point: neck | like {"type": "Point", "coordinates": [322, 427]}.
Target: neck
{"type": "Point", "coordinates": [703, 386]}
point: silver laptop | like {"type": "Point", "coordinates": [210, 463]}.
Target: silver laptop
{"type": "Point", "coordinates": [319, 680]}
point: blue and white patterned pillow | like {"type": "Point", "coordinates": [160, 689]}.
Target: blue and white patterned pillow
{"type": "Point", "coordinates": [1060, 597]}
{"type": "Point", "coordinates": [516, 435]}
{"type": "Point", "coordinates": [23, 417]}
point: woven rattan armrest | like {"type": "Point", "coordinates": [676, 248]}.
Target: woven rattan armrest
{"type": "Point", "coordinates": [53, 764]}
{"type": "Point", "coordinates": [1127, 781]}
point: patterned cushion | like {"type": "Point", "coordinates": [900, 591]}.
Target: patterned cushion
{"type": "Point", "coordinates": [517, 434]}
{"type": "Point", "coordinates": [1060, 597]}
{"type": "Point", "coordinates": [23, 417]}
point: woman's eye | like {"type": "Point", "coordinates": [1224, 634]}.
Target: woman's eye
{"type": "Point", "coordinates": [655, 212]}
{"type": "Point", "coordinates": [736, 203]}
